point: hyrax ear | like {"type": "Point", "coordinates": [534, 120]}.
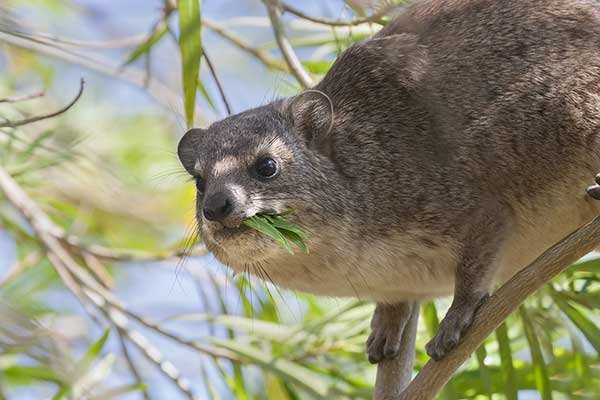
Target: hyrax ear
{"type": "Point", "coordinates": [312, 115]}
{"type": "Point", "coordinates": [187, 150]}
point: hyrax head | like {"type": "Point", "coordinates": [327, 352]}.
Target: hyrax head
{"type": "Point", "coordinates": [269, 159]}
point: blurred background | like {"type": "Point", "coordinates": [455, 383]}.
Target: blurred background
{"type": "Point", "coordinates": [105, 292]}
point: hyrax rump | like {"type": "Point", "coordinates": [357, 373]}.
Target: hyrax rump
{"type": "Point", "coordinates": [438, 157]}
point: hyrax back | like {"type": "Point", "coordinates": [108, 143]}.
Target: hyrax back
{"type": "Point", "coordinates": [460, 144]}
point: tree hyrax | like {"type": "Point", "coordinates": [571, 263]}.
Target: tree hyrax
{"type": "Point", "coordinates": [438, 157]}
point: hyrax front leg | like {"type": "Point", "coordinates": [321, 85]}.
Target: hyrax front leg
{"type": "Point", "coordinates": [473, 281]}
{"type": "Point", "coordinates": [387, 327]}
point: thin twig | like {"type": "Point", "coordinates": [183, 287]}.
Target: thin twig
{"type": "Point", "coordinates": [149, 351]}
{"type": "Point", "coordinates": [98, 270]}
{"type": "Point", "coordinates": [435, 374]}
{"type": "Point", "coordinates": [213, 72]}
{"type": "Point", "coordinates": [81, 283]}
{"type": "Point", "coordinates": [23, 98]}
{"type": "Point", "coordinates": [375, 18]}
{"type": "Point", "coordinates": [158, 90]}
{"type": "Point", "coordinates": [263, 56]}
{"type": "Point", "coordinates": [289, 55]}
{"type": "Point", "coordinates": [119, 43]}
{"type": "Point", "coordinates": [45, 230]}
{"type": "Point", "coordinates": [126, 255]}
{"type": "Point", "coordinates": [20, 266]}
{"type": "Point", "coordinates": [9, 124]}
{"type": "Point", "coordinates": [130, 363]}
{"type": "Point", "coordinates": [213, 352]}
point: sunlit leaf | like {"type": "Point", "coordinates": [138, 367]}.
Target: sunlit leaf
{"type": "Point", "coordinates": [589, 329]}
{"type": "Point", "coordinates": [146, 46]}
{"type": "Point", "coordinates": [93, 351]}
{"type": "Point", "coordinates": [190, 45]}
{"type": "Point", "coordinates": [279, 230]}
{"type": "Point", "coordinates": [506, 363]}
{"type": "Point", "coordinates": [539, 364]}
{"type": "Point", "coordinates": [309, 381]}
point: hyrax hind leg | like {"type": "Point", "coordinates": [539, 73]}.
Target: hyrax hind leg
{"type": "Point", "coordinates": [474, 277]}
{"type": "Point", "coordinates": [388, 328]}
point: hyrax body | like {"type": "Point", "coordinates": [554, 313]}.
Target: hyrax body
{"type": "Point", "coordinates": [438, 157]}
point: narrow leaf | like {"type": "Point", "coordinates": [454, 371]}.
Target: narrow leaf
{"type": "Point", "coordinates": [263, 226]}
{"type": "Point", "coordinates": [93, 351]}
{"type": "Point", "coordinates": [146, 46]}
{"type": "Point", "coordinates": [589, 329]}
{"type": "Point", "coordinates": [206, 95]}
{"type": "Point", "coordinates": [290, 371]}
{"type": "Point", "coordinates": [539, 364]}
{"type": "Point", "coordinates": [190, 45]}
{"type": "Point", "coordinates": [484, 372]}
{"type": "Point", "coordinates": [506, 363]}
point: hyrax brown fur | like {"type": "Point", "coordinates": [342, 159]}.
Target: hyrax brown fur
{"type": "Point", "coordinates": [440, 156]}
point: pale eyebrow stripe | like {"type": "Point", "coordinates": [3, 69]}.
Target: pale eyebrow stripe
{"type": "Point", "coordinates": [225, 165]}
{"type": "Point", "coordinates": [276, 147]}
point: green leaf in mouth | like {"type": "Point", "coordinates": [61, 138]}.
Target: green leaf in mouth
{"type": "Point", "coordinates": [280, 230]}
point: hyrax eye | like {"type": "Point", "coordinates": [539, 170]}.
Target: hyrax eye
{"type": "Point", "coordinates": [199, 184]}
{"type": "Point", "coordinates": [266, 167]}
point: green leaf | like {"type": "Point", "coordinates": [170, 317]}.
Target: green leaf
{"type": "Point", "coordinates": [506, 363]}
{"type": "Point", "coordinates": [117, 392]}
{"type": "Point", "coordinates": [318, 67]}
{"type": "Point", "coordinates": [279, 230]}
{"type": "Point", "coordinates": [539, 364]}
{"type": "Point", "coordinates": [430, 317]}
{"type": "Point", "coordinates": [214, 394]}
{"type": "Point", "coordinates": [309, 381]}
{"type": "Point", "coordinates": [432, 323]}
{"type": "Point", "coordinates": [592, 265]}
{"type": "Point", "coordinates": [94, 350]}
{"type": "Point", "coordinates": [264, 226]}
{"type": "Point", "coordinates": [261, 328]}
{"type": "Point", "coordinates": [296, 239]}
{"type": "Point", "coordinates": [190, 45]}
{"type": "Point", "coordinates": [583, 323]}
{"type": "Point", "coordinates": [206, 95]}
{"type": "Point", "coordinates": [280, 224]}
{"type": "Point", "coordinates": [484, 372]}
{"type": "Point", "coordinates": [37, 142]}
{"type": "Point", "coordinates": [274, 388]}
{"type": "Point", "coordinates": [27, 373]}
{"type": "Point", "coordinates": [146, 46]}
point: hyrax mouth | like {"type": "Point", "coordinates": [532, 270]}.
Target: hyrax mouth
{"type": "Point", "coordinates": [229, 232]}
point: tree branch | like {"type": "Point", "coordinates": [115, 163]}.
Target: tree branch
{"type": "Point", "coordinates": [375, 18]}
{"type": "Point", "coordinates": [393, 376]}
{"type": "Point", "coordinates": [213, 72]}
{"type": "Point", "coordinates": [432, 378]}
{"type": "Point", "coordinates": [289, 55]}
{"type": "Point", "coordinates": [18, 99]}
{"type": "Point", "coordinates": [9, 124]}
{"type": "Point", "coordinates": [261, 55]}
{"type": "Point", "coordinates": [158, 90]}
{"type": "Point", "coordinates": [130, 364]}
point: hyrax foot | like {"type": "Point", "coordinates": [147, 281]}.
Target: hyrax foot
{"type": "Point", "coordinates": [458, 318]}
{"type": "Point", "coordinates": [387, 326]}
{"type": "Point", "coordinates": [594, 190]}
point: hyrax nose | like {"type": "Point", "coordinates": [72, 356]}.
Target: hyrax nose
{"type": "Point", "coordinates": [217, 207]}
